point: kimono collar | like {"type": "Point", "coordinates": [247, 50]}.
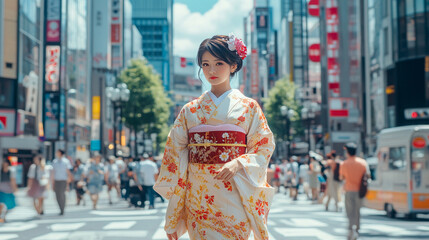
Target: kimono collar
{"type": "Point", "coordinates": [218, 100]}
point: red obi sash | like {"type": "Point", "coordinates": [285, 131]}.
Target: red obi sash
{"type": "Point", "coordinates": [216, 147]}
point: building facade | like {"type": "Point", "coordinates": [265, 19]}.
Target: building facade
{"type": "Point", "coordinates": [397, 65]}
{"type": "Point", "coordinates": [154, 20]}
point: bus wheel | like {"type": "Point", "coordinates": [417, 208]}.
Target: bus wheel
{"type": "Point", "coordinates": [390, 210]}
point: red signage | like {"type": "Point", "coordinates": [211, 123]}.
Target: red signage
{"type": "Point", "coordinates": [419, 142]}
{"type": "Point", "coordinates": [116, 33]}
{"type": "Point", "coordinates": [339, 113]}
{"type": "Point", "coordinates": [313, 8]}
{"type": "Point", "coordinates": [314, 52]}
{"type": "Point", "coordinates": [334, 85]}
{"type": "Point", "coordinates": [254, 77]}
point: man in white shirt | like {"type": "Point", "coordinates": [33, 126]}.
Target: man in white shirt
{"type": "Point", "coordinates": [145, 173]}
{"type": "Point", "coordinates": [61, 176]}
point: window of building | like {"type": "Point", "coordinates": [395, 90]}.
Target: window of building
{"type": "Point", "coordinates": [402, 44]}
{"type": "Point", "coordinates": [7, 92]}
{"type": "Point", "coordinates": [386, 41]}
{"type": "Point", "coordinates": [385, 8]}
{"type": "Point", "coordinates": [397, 160]}
{"type": "Point", "coordinates": [394, 11]}
{"type": "Point", "coordinates": [411, 26]}
{"type": "Point", "coordinates": [420, 27]}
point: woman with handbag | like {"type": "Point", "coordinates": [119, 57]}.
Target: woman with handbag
{"type": "Point", "coordinates": [79, 184]}
{"type": "Point", "coordinates": [38, 179]}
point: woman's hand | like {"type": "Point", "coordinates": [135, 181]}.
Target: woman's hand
{"type": "Point", "coordinates": [228, 170]}
{"type": "Point", "coordinates": [172, 236]}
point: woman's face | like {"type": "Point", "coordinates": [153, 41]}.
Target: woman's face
{"type": "Point", "coordinates": [216, 71]}
{"type": "Point", "coordinates": [36, 160]}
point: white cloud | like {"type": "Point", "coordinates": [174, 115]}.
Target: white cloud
{"type": "Point", "coordinates": [191, 28]}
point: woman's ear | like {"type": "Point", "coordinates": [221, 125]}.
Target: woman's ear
{"type": "Point", "coordinates": [233, 67]}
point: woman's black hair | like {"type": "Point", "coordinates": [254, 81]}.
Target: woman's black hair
{"type": "Point", "coordinates": [218, 47]}
{"type": "Point", "coordinates": [61, 151]}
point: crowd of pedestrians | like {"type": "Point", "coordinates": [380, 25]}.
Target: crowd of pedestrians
{"type": "Point", "coordinates": [130, 180]}
{"type": "Point", "coordinates": [322, 179]}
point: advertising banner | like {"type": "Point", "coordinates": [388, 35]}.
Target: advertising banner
{"type": "Point", "coordinates": [52, 115]}
{"type": "Point", "coordinates": [53, 21]}
{"type": "Point", "coordinates": [100, 34]}
{"type": "Point", "coordinates": [254, 77]}
{"type": "Point", "coordinates": [52, 68]}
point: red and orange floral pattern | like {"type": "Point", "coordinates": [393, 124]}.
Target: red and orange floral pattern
{"type": "Point", "coordinates": [205, 207]}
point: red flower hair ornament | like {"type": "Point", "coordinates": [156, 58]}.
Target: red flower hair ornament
{"type": "Point", "coordinates": [236, 44]}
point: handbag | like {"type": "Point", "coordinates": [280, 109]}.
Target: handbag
{"type": "Point", "coordinates": [43, 182]}
{"type": "Point", "coordinates": [363, 189]}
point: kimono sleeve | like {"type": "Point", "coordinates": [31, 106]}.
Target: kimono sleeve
{"type": "Point", "coordinates": [260, 147]}
{"type": "Point", "coordinates": [173, 173]}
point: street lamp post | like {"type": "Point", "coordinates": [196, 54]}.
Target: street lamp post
{"type": "Point", "coordinates": [117, 95]}
{"type": "Point", "coordinates": [308, 114]}
{"type": "Point", "coordinates": [288, 114]}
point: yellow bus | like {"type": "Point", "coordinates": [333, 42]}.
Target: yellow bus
{"type": "Point", "coordinates": [401, 178]}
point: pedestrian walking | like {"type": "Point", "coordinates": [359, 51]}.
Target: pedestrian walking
{"type": "Point", "coordinates": [136, 198]}
{"type": "Point", "coordinates": [123, 176]}
{"type": "Point", "coordinates": [148, 169]}
{"type": "Point", "coordinates": [78, 181]}
{"type": "Point", "coordinates": [112, 178]}
{"type": "Point", "coordinates": [333, 180]}
{"type": "Point", "coordinates": [351, 171]}
{"type": "Point", "coordinates": [295, 177]}
{"type": "Point", "coordinates": [61, 177]}
{"type": "Point", "coordinates": [38, 181]}
{"type": "Point", "coordinates": [7, 188]}
{"type": "Point", "coordinates": [313, 181]}
{"type": "Point", "coordinates": [95, 177]}
{"type": "Point", "coordinates": [214, 169]}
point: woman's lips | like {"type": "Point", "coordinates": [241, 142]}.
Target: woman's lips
{"type": "Point", "coordinates": [213, 78]}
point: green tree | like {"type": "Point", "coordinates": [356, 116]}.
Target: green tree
{"type": "Point", "coordinates": [148, 108]}
{"type": "Point", "coordinates": [283, 93]}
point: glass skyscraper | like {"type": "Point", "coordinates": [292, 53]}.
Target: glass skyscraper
{"type": "Point", "coordinates": [154, 20]}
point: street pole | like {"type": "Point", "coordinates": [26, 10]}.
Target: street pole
{"type": "Point", "coordinates": [308, 133]}
{"type": "Point", "coordinates": [114, 129]}
{"type": "Point", "coordinates": [288, 136]}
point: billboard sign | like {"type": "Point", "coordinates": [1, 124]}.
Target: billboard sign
{"type": "Point", "coordinates": [52, 68]}
{"type": "Point", "coordinates": [100, 35]}
{"type": "Point", "coordinates": [254, 77]}
{"type": "Point", "coordinates": [52, 116]}
{"type": "Point", "coordinates": [53, 21]}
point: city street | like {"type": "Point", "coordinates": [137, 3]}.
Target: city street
{"type": "Point", "coordinates": [287, 220]}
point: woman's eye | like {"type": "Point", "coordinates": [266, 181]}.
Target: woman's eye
{"type": "Point", "coordinates": [219, 64]}
{"type": "Point", "coordinates": [205, 64]}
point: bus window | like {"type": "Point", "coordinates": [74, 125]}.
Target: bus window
{"type": "Point", "coordinates": [397, 160]}
{"type": "Point", "coordinates": [420, 158]}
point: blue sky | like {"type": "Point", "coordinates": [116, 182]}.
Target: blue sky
{"type": "Point", "coordinates": [200, 6]}
{"type": "Point", "coordinates": [196, 20]}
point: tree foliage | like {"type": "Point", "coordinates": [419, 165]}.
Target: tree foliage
{"type": "Point", "coordinates": [148, 108]}
{"type": "Point", "coordinates": [283, 93]}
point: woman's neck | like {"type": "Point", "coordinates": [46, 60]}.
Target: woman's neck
{"type": "Point", "coordinates": [219, 90]}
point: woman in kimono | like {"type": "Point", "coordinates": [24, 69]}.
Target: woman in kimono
{"type": "Point", "coordinates": [215, 161]}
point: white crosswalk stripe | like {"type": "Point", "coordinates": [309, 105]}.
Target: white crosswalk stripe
{"type": "Point", "coordinates": [17, 227]}
{"type": "Point", "coordinates": [62, 227]}
{"type": "Point", "coordinates": [8, 236]}
{"type": "Point", "coordinates": [119, 225]}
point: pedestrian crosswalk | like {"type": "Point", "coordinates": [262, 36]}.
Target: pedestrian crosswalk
{"type": "Point", "coordinates": [287, 220]}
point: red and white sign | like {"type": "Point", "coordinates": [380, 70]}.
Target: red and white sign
{"type": "Point", "coordinates": [314, 52]}
{"type": "Point", "coordinates": [53, 23]}
{"type": "Point", "coordinates": [332, 48]}
{"type": "Point", "coordinates": [116, 22]}
{"type": "Point", "coordinates": [340, 107]}
{"type": "Point", "coordinates": [313, 8]}
{"type": "Point", "coordinates": [254, 77]}
{"type": "Point", "coordinates": [52, 66]}
{"type": "Point", "coordinates": [7, 122]}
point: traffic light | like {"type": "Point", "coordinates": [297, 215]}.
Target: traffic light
{"type": "Point", "coordinates": [416, 113]}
